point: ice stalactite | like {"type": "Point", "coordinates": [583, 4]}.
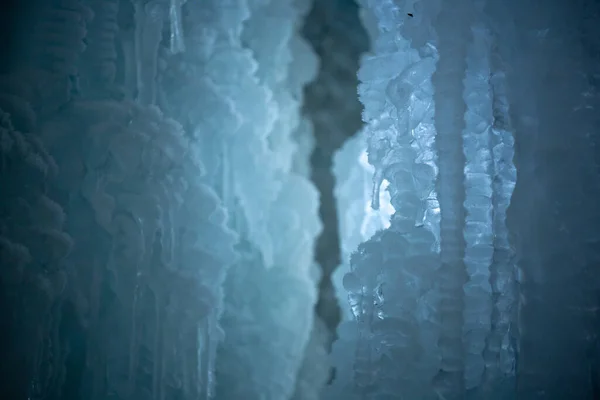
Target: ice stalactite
{"type": "Point", "coordinates": [127, 45]}
{"type": "Point", "coordinates": [358, 223]}
{"type": "Point", "coordinates": [213, 119]}
{"type": "Point", "coordinates": [453, 125]}
{"type": "Point", "coordinates": [160, 250]}
{"type": "Point", "coordinates": [149, 20]}
{"type": "Point", "coordinates": [50, 65]}
{"type": "Point", "coordinates": [60, 33]}
{"type": "Point", "coordinates": [243, 122]}
{"type": "Point", "coordinates": [209, 67]}
{"type": "Point", "coordinates": [232, 69]}
{"type": "Point", "coordinates": [280, 319]}
{"type": "Point", "coordinates": [393, 274]}
{"type": "Point", "coordinates": [100, 59]}
{"type": "Point", "coordinates": [268, 33]}
{"type": "Point", "coordinates": [478, 203]}
{"type": "Point", "coordinates": [453, 27]}
{"type": "Point", "coordinates": [286, 64]}
{"type": "Point", "coordinates": [500, 349]}
{"type": "Point", "coordinates": [177, 43]}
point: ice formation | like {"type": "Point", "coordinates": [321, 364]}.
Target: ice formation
{"type": "Point", "coordinates": [280, 317]}
{"type": "Point", "coordinates": [162, 246]}
{"type": "Point", "coordinates": [149, 20]}
{"type": "Point", "coordinates": [238, 56]}
{"type": "Point", "coordinates": [358, 221]}
{"type": "Point", "coordinates": [192, 274]}
{"type": "Point", "coordinates": [447, 300]}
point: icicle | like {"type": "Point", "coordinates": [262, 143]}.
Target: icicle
{"type": "Point", "coordinates": [177, 39]}
{"type": "Point", "coordinates": [101, 37]}
{"type": "Point", "coordinates": [205, 359]}
{"type": "Point", "coordinates": [226, 181]}
{"type": "Point", "coordinates": [377, 181]}
{"type": "Point", "coordinates": [148, 32]}
{"type": "Point", "coordinates": [450, 111]}
{"type": "Point", "coordinates": [379, 177]}
{"type": "Point", "coordinates": [500, 354]}
{"type": "Point", "coordinates": [138, 39]}
{"type": "Point", "coordinates": [130, 62]}
{"type": "Point", "coordinates": [157, 267]}
{"type": "Point", "coordinates": [478, 232]}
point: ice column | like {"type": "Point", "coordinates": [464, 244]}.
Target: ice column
{"type": "Point", "coordinates": [234, 115]}
{"type": "Point", "coordinates": [270, 293]}
{"type": "Point", "coordinates": [500, 349]}
{"type": "Point", "coordinates": [392, 283]}
{"type": "Point", "coordinates": [453, 31]}
{"type": "Point", "coordinates": [479, 230]}
{"type": "Point", "coordinates": [149, 19]}
{"type": "Point", "coordinates": [177, 44]}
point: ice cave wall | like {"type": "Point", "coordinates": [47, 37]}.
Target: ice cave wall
{"type": "Point", "coordinates": [163, 244]}
{"type": "Point", "coordinates": [157, 219]}
{"type": "Point", "coordinates": [466, 296]}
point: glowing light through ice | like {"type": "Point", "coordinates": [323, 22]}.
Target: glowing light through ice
{"type": "Point", "coordinates": [374, 220]}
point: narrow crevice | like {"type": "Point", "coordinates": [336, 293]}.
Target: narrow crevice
{"type": "Point", "coordinates": [334, 30]}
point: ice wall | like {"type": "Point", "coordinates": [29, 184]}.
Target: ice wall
{"type": "Point", "coordinates": [553, 218]}
{"type": "Point", "coordinates": [280, 318]}
{"type": "Point", "coordinates": [171, 142]}
{"type": "Point", "coordinates": [358, 222]}
{"type": "Point", "coordinates": [128, 307]}
{"type": "Point", "coordinates": [157, 224]}
{"type": "Point", "coordinates": [392, 274]}
{"type": "Point", "coordinates": [460, 297]}
{"type": "Point", "coordinates": [245, 67]}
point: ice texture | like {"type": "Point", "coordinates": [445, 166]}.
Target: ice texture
{"type": "Point", "coordinates": [479, 204]}
{"type": "Point", "coordinates": [500, 351]}
{"type": "Point", "coordinates": [33, 245]}
{"type": "Point", "coordinates": [160, 246]}
{"type": "Point", "coordinates": [185, 249]}
{"type": "Point", "coordinates": [302, 55]}
{"type": "Point", "coordinates": [241, 99]}
{"type": "Point", "coordinates": [233, 118]}
{"type": "Point", "coordinates": [450, 108]}
{"type": "Point", "coordinates": [177, 43]}
{"type": "Point", "coordinates": [468, 93]}
{"type": "Point", "coordinates": [100, 63]}
{"type": "Point", "coordinates": [244, 124]}
{"type": "Point", "coordinates": [394, 273]}
{"type": "Point", "coordinates": [552, 92]}
{"type": "Point", "coordinates": [431, 116]}
{"type": "Point", "coordinates": [358, 221]}
{"type": "Point", "coordinates": [149, 20]}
